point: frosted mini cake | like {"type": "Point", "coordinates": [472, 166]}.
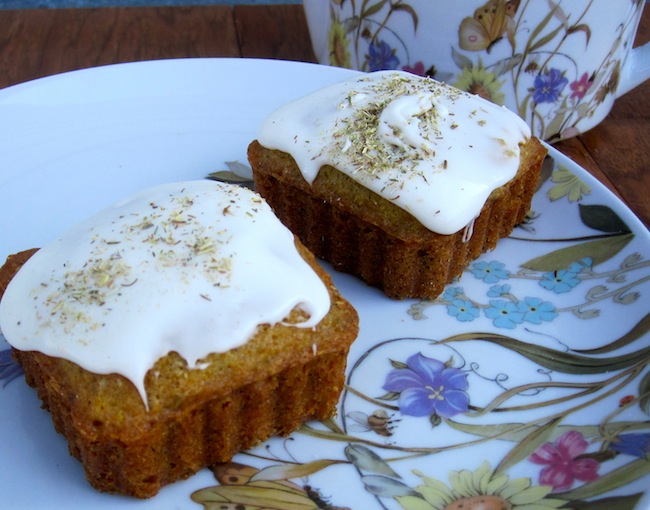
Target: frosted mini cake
{"type": "Point", "coordinates": [172, 330]}
{"type": "Point", "coordinates": [395, 178]}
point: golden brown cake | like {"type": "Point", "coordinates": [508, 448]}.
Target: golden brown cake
{"type": "Point", "coordinates": [133, 436]}
{"type": "Point", "coordinates": [397, 179]}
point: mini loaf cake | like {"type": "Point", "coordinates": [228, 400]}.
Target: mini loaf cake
{"type": "Point", "coordinates": [173, 330]}
{"type": "Point", "coordinates": [397, 179]}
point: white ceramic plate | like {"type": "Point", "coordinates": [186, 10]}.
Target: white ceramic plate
{"type": "Point", "coordinates": [543, 357]}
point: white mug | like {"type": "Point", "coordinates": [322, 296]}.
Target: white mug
{"type": "Point", "coordinates": [559, 64]}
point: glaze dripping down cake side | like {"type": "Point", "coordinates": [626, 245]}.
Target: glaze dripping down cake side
{"type": "Point", "coordinates": [399, 180]}
{"type": "Point", "coordinates": [188, 324]}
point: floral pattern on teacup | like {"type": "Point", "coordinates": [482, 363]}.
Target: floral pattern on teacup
{"type": "Point", "coordinates": [553, 91]}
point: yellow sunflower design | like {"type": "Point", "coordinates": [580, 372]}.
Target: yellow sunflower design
{"type": "Point", "coordinates": [482, 489]}
{"type": "Point", "coordinates": [338, 46]}
{"type": "Point", "coordinates": [478, 80]}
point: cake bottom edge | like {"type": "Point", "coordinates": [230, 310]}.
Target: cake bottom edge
{"type": "Point", "coordinates": [401, 269]}
{"type": "Point", "coordinates": [211, 432]}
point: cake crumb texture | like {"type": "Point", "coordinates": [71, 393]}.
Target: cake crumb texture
{"type": "Point", "coordinates": [283, 377]}
{"type": "Point", "coordinates": [363, 234]}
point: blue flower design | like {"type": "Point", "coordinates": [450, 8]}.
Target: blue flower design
{"type": "Point", "coordinates": [561, 281]}
{"type": "Point", "coordinates": [452, 293]}
{"type": "Point", "coordinates": [463, 309]}
{"type": "Point", "coordinates": [637, 444]}
{"type": "Point", "coordinates": [381, 56]}
{"type": "Point", "coordinates": [504, 314]}
{"type": "Point", "coordinates": [579, 265]}
{"type": "Point", "coordinates": [536, 311]}
{"type": "Point", "coordinates": [490, 272]}
{"type": "Point", "coordinates": [429, 387]}
{"type": "Point", "coordinates": [499, 290]}
{"type": "Point", "coordinates": [549, 86]}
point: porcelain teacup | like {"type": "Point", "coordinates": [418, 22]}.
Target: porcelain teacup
{"type": "Point", "coordinates": [558, 64]}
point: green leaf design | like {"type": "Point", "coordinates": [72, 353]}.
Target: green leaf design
{"type": "Point", "coordinates": [537, 30]}
{"type": "Point", "coordinates": [328, 435]}
{"type": "Point", "coordinates": [613, 503]}
{"type": "Point", "coordinates": [331, 424]}
{"type": "Point", "coordinates": [507, 64]}
{"type": "Point", "coordinates": [506, 431]}
{"type": "Point", "coordinates": [546, 39]}
{"type": "Point", "coordinates": [227, 176]}
{"type": "Point", "coordinates": [567, 185]}
{"type": "Point", "coordinates": [237, 173]}
{"type": "Point", "coordinates": [387, 487]}
{"type": "Point", "coordinates": [553, 127]}
{"type": "Point", "coordinates": [374, 8]}
{"type": "Point", "coordinates": [638, 330]}
{"type": "Point", "coordinates": [517, 431]}
{"type": "Point", "coordinates": [582, 27]}
{"type": "Point", "coordinates": [644, 392]}
{"type": "Point", "coordinates": [603, 218]}
{"type": "Point", "coordinates": [609, 481]}
{"type": "Point", "coordinates": [523, 107]}
{"type": "Point", "coordinates": [286, 472]}
{"type": "Point", "coordinates": [278, 496]}
{"type": "Point", "coordinates": [435, 420]}
{"type": "Point", "coordinates": [391, 395]}
{"type": "Point", "coordinates": [461, 61]}
{"type": "Point", "coordinates": [351, 24]}
{"type": "Point", "coordinates": [528, 445]}
{"type": "Point", "coordinates": [559, 361]}
{"type": "Point", "coordinates": [367, 460]}
{"type": "Point", "coordinates": [599, 250]}
{"type": "Point", "coordinates": [408, 9]}
{"type": "Point", "coordinates": [398, 364]}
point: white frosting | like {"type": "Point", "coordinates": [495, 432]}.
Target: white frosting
{"type": "Point", "coordinates": [191, 267]}
{"type": "Point", "coordinates": [431, 149]}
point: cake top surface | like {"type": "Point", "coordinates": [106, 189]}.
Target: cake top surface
{"type": "Point", "coordinates": [431, 149]}
{"type": "Point", "coordinates": [192, 267]}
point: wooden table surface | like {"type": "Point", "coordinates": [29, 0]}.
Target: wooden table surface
{"type": "Point", "coordinates": [41, 42]}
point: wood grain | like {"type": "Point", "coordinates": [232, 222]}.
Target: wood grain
{"type": "Point", "coordinates": [42, 42]}
{"type": "Point", "coordinates": [273, 31]}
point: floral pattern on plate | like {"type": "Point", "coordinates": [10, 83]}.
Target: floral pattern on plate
{"type": "Point", "coordinates": [536, 395]}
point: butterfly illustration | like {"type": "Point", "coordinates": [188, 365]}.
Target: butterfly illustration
{"type": "Point", "coordinates": [240, 491]}
{"type": "Point", "coordinates": [488, 25]}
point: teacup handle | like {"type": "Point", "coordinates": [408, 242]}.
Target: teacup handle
{"type": "Point", "coordinates": [636, 69]}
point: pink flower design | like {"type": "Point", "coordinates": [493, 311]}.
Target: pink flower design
{"type": "Point", "coordinates": [563, 463]}
{"type": "Point", "coordinates": [580, 87]}
{"type": "Point", "coordinates": [417, 68]}
{"type": "Point", "coordinates": [570, 132]}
